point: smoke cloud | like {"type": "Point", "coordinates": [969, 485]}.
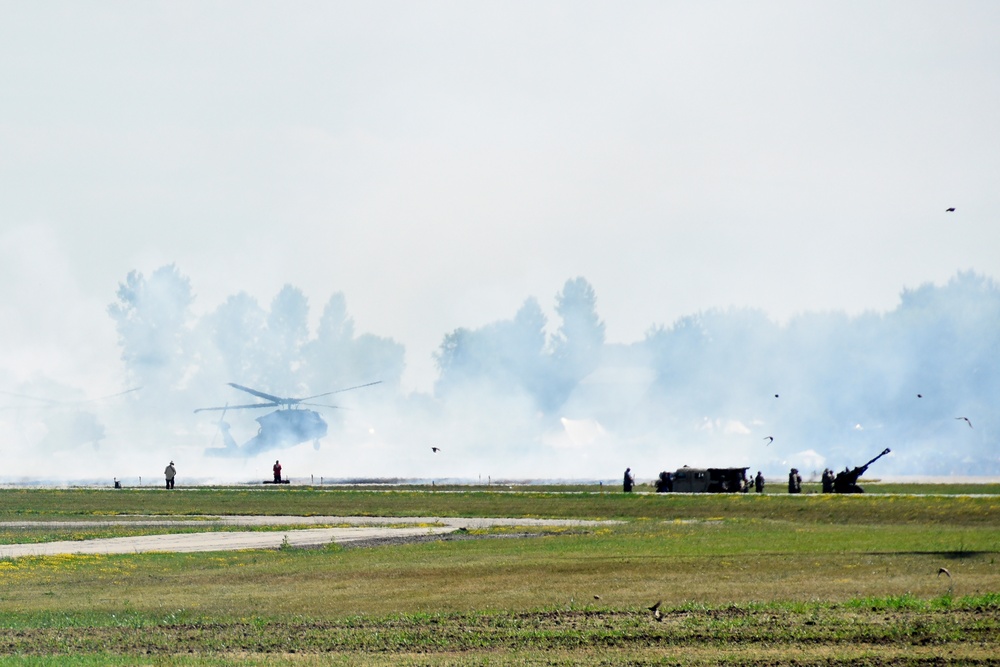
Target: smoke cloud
{"type": "Point", "coordinates": [520, 397]}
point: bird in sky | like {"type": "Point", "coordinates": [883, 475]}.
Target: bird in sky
{"type": "Point", "coordinates": [943, 570]}
{"type": "Point", "coordinates": [966, 419]}
{"type": "Point", "coordinates": [950, 210]}
{"type": "Point", "coordinates": [435, 449]}
{"type": "Point", "coordinates": [769, 439]}
{"type": "Point", "coordinates": [920, 395]}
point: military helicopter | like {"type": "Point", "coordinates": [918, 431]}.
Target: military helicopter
{"type": "Point", "coordinates": [287, 426]}
{"type": "Point", "coordinates": [66, 423]}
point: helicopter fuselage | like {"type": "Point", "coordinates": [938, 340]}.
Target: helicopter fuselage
{"type": "Point", "coordinates": [284, 428]}
{"type": "Point", "coordinates": [289, 425]}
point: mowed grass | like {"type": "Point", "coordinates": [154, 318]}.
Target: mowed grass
{"type": "Point", "coordinates": [716, 562]}
{"type": "Point", "coordinates": [774, 486]}
{"type": "Point", "coordinates": [821, 579]}
{"type": "Point", "coordinates": [940, 509]}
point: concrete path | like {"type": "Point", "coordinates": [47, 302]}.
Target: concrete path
{"type": "Point", "coordinates": [361, 528]}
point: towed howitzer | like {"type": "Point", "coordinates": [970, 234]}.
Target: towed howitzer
{"type": "Point", "coordinates": [847, 481]}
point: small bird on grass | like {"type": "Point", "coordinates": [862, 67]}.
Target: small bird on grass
{"type": "Point", "coordinates": [944, 570]}
{"type": "Point", "coordinates": [656, 610]}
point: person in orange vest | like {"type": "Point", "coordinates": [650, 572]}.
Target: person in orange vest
{"type": "Point", "coordinates": [277, 472]}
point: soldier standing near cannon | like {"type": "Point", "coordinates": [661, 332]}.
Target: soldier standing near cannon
{"type": "Point", "coordinates": [827, 480]}
{"type": "Point", "coordinates": [794, 481]}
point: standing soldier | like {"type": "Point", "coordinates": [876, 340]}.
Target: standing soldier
{"type": "Point", "coordinates": [170, 472]}
{"type": "Point", "coordinates": [794, 481]}
{"type": "Point", "coordinates": [276, 469]}
{"type": "Point", "coordinates": [665, 483]}
{"type": "Point", "coordinates": [629, 481]}
{"type": "Point", "coordinates": [758, 482]}
{"type": "Point", "coordinates": [827, 480]}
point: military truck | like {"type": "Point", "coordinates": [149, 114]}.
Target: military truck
{"type": "Point", "coordinates": [711, 480]}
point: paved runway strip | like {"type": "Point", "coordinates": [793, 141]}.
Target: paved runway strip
{"type": "Point", "coordinates": [361, 528]}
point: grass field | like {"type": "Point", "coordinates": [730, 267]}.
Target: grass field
{"type": "Point", "coordinates": [924, 509]}
{"type": "Point", "coordinates": [771, 579]}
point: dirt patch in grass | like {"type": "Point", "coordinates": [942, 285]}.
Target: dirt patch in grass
{"type": "Point", "coordinates": [457, 536]}
{"type": "Point", "coordinates": [832, 630]}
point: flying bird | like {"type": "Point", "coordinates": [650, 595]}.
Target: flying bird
{"type": "Point", "coordinates": [769, 439]}
{"type": "Point", "coordinates": [435, 449]}
{"type": "Point", "coordinates": [656, 610]}
{"type": "Point", "coordinates": [776, 396]}
{"type": "Point", "coordinates": [950, 210]}
{"type": "Point", "coordinates": [942, 570]}
{"type": "Point", "coordinates": [920, 395]}
{"type": "Point", "coordinates": [966, 419]}
{"type": "Point", "coordinates": [597, 597]}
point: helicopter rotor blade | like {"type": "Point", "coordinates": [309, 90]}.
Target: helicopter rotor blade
{"type": "Point", "coordinates": [240, 407]}
{"type": "Point", "coordinates": [44, 403]}
{"type": "Point", "coordinates": [218, 426]}
{"type": "Point", "coordinates": [259, 394]}
{"type": "Point", "coordinates": [33, 398]}
{"type": "Point", "coordinates": [325, 405]}
{"type": "Point", "coordinates": [307, 398]}
{"type": "Point", "coordinates": [53, 403]}
{"type": "Point", "coordinates": [121, 393]}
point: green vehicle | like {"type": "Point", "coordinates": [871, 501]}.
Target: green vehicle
{"type": "Point", "coordinates": [711, 480]}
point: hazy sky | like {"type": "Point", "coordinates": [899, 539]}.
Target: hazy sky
{"type": "Point", "coordinates": [439, 162]}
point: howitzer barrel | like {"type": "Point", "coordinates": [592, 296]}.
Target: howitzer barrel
{"type": "Point", "coordinates": [884, 452]}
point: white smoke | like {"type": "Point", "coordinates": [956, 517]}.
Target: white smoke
{"type": "Point", "coordinates": [720, 388]}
